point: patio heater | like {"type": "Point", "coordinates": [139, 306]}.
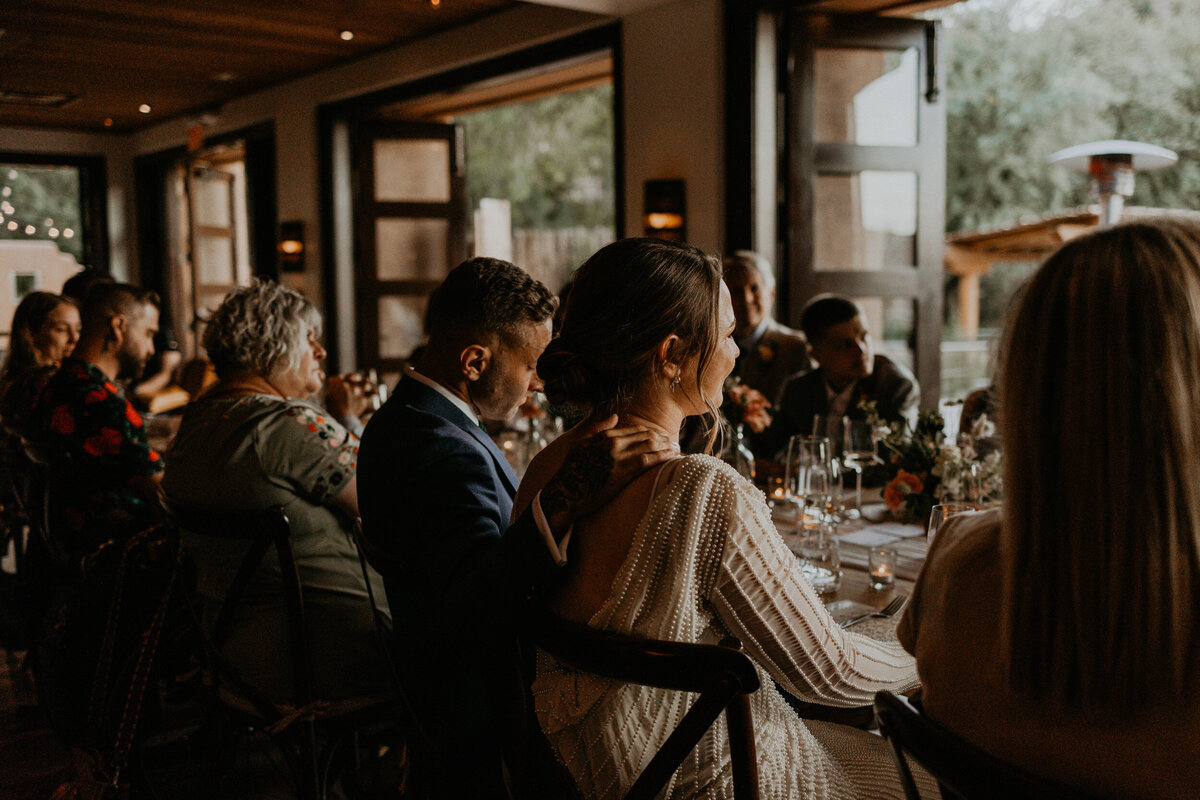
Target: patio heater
{"type": "Point", "coordinates": [1110, 165]}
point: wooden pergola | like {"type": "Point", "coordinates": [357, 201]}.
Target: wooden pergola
{"type": "Point", "coordinates": [971, 254]}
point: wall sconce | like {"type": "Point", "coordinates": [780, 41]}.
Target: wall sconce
{"type": "Point", "coordinates": [664, 210]}
{"type": "Point", "coordinates": [291, 246]}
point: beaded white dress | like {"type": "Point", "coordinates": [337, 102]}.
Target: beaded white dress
{"type": "Point", "coordinates": [706, 562]}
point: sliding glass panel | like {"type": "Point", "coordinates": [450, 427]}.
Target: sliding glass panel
{"type": "Point", "coordinates": [867, 97]}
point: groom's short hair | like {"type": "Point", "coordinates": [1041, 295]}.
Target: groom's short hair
{"type": "Point", "coordinates": [482, 297]}
{"type": "Point", "coordinates": [823, 312]}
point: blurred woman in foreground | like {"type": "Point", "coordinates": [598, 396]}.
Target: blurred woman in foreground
{"type": "Point", "coordinates": [1060, 633]}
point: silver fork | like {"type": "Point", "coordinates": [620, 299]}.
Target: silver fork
{"type": "Point", "coordinates": [890, 609]}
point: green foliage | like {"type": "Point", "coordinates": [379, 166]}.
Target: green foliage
{"type": "Point", "coordinates": [551, 158]}
{"type": "Point", "coordinates": [1025, 79]}
{"type": "Point", "coordinates": [40, 193]}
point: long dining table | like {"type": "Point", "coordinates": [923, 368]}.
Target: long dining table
{"type": "Point", "coordinates": [855, 596]}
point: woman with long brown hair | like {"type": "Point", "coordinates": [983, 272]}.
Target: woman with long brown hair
{"type": "Point", "coordinates": [1060, 633]}
{"type": "Point", "coordinates": [45, 329]}
{"type": "Point", "coordinates": [688, 553]}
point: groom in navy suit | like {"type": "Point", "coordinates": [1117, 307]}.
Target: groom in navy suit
{"type": "Point", "coordinates": [436, 495]}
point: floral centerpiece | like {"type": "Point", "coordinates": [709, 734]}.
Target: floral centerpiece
{"type": "Point", "coordinates": [743, 408]}
{"type": "Point", "coordinates": [926, 469]}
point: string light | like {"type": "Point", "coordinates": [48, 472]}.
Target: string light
{"type": "Point", "coordinates": [9, 217]}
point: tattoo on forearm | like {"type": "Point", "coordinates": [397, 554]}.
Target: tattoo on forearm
{"type": "Point", "coordinates": [580, 480]}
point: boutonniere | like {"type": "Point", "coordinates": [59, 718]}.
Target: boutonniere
{"type": "Point", "coordinates": [766, 353]}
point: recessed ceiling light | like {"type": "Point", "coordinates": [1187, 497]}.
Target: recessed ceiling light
{"type": "Point", "coordinates": [347, 35]}
{"type": "Point", "coordinates": [145, 109]}
{"type": "Point", "coordinates": [435, 3]}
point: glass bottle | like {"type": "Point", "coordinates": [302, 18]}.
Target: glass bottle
{"type": "Point", "coordinates": [738, 455]}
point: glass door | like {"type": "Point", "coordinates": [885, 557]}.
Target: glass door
{"type": "Point", "coordinates": [866, 178]}
{"type": "Point", "coordinates": [411, 217]}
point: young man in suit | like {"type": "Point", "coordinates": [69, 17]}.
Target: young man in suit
{"type": "Point", "coordinates": [436, 495]}
{"type": "Point", "coordinates": [769, 351]}
{"type": "Point", "coordinates": [848, 372]}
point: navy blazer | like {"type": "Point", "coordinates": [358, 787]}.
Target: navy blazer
{"type": "Point", "coordinates": [436, 494]}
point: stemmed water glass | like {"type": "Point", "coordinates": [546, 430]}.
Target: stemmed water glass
{"type": "Point", "coordinates": [828, 426]}
{"type": "Point", "coordinates": [807, 480]}
{"type": "Point", "coordinates": [859, 444]}
{"type": "Point", "coordinates": [943, 512]}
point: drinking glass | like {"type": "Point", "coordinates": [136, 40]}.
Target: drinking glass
{"type": "Point", "coordinates": [820, 560]}
{"type": "Point", "coordinates": [941, 513]}
{"type": "Point", "coordinates": [859, 450]}
{"type": "Point", "coordinates": [807, 477]}
{"type": "Point", "coordinates": [830, 428]}
{"type": "Point", "coordinates": [881, 566]}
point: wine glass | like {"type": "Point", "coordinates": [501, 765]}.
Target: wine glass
{"type": "Point", "coordinates": [829, 426]}
{"type": "Point", "coordinates": [807, 480]}
{"type": "Point", "coordinates": [943, 512]}
{"type": "Point", "coordinates": [859, 445]}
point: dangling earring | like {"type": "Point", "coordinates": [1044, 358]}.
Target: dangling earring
{"type": "Point", "coordinates": [675, 383]}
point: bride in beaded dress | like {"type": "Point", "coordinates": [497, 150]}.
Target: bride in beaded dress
{"type": "Point", "coordinates": [688, 552]}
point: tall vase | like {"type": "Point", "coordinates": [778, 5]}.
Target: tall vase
{"type": "Point", "coordinates": [738, 455]}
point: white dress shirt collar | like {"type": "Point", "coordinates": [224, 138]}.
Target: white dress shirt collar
{"type": "Point", "coordinates": [459, 403]}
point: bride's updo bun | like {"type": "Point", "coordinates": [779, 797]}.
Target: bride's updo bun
{"type": "Point", "coordinates": [569, 376]}
{"type": "Point", "coordinates": [625, 300]}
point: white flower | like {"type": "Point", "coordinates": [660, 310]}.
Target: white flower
{"type": "Point", "coordinates": [983, 428]}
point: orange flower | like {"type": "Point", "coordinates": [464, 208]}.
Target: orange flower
{"type": "Point", "coordinates": [904, 484]}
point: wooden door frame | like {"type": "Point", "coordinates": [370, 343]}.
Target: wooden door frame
{"type": "Point", "coordinates": [353, 111]}
{"type": "Point", "coordinates": [804, 155]}
{"type": "Point", "coordinates": [262, 210]}
{"type": "Point", "coordinates": [796, 158]}
{"type": "Point", "coordinates": [366, 216]}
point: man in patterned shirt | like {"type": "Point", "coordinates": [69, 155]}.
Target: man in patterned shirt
{"type": "Point", "coordinates": [113, 473]}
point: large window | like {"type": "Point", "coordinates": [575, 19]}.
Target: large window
{"type": "Point", "coordinates": [51, 225]}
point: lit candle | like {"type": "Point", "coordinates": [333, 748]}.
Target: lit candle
{"type": "Point", "coordinates": [881, 566]}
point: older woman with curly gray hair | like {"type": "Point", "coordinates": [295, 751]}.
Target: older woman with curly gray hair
{"type": "Point", "coordinates": [254, 440]}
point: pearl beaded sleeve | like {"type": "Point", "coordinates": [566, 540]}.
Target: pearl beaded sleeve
{"type": "Point", "coordinates": [761, 595]}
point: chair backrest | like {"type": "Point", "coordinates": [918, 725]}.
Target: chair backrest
{"type": "Point", "coordinates": [50, 467]}
{"type": "Point", "coordinates": [264, 530]}
{"type": "Point", "coordinates": [962, 769]}
{"type": "Point", "coordinates": [722, 675]}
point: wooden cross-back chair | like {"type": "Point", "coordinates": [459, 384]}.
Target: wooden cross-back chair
{"type": "Point", "coordinates": [722, 674]}
{"type": "Point", "coordinates": [306, 718]}
{"type": "Point", "coordinates": [50, 467]}
{"type": "Point", "coordinates": [962, 770]}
